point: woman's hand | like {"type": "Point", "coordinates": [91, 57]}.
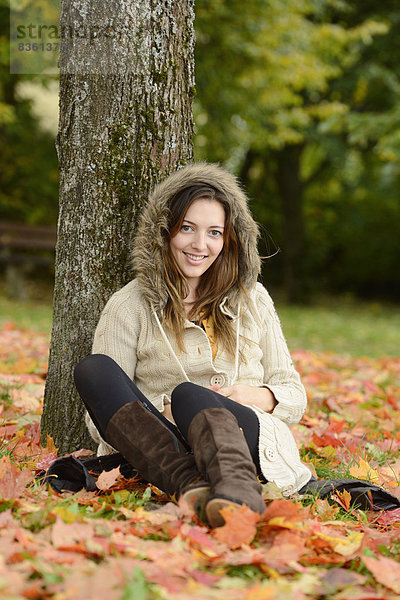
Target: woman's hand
{"type": "Point", "coordinates": [248, 394]}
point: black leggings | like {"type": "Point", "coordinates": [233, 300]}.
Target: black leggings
{"type": "Point", "coordinates": [105, 388]}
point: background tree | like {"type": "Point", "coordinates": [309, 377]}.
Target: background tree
{"type": "Point", "coordinates": [360, 215]}
{"type": "Point", "coordinates": [125, 123]}
{"type": "Point", "coordinates": [282, 113]}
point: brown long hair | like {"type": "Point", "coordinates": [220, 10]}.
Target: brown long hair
{"type": "Point", "coordinates": [214, 284]}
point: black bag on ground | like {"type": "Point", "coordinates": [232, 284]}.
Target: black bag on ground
{"type": "Point", "coordinates": [73, 474]}
{"type": "Point", "coordinates": [364, 495]}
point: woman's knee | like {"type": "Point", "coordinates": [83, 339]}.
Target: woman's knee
{"type": "Point", "coordinates": [92, 366]}
{"type": "Point", "coordinates": [183, 391]}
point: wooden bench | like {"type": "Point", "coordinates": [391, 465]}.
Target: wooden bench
{"type": "Point", "coordinates": [22, 248]}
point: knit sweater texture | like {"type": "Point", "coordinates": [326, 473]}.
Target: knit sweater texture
{"type": "Point", "coordinates": [130, 331]}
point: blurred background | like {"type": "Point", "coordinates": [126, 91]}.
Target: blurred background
{"type": "Point", "coordinates": [301, 100]}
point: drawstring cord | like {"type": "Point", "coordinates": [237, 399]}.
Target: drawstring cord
{"type": "Point", "coordinates": [236, 371]}
{"type": "Point", "coordinates": [169, 345]}
{"type": "Point", "coordinates": [164, 335]}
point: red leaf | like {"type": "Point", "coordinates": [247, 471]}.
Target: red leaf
{"type": "Point", "coordinates": [336, 426]}
{"type": "Point", "coordinates": [288, 547]}
{"type": "Point", "coordinates": [389, 517]}
{"type": "Point", "coordinates": [338, 578]}
{"type": "Point", "coordinates": [326, 439]}
{"type": "Point", "coordinates": [45, 461]}
{"type": "Point", "coordinates": [197, 537]}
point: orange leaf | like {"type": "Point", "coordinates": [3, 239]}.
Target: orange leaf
{"type": "Point", "coordinates": [50, 445]}
{"type": "Point", "coordinates": [342, 498]}
{"type": "Point", "coordinates": [385, 570]}
{"type": "Point", "coordinates": [290, 511]}
{"type": "Point", "coordinates": [326, 439]}
{"type": "Point", "coordinates": [240, 526]}
{"type": "Point", "coordinates": [261, 592]}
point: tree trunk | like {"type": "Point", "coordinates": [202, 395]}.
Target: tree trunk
{"type": "Point", "coordinates": [291, 193]}
{"type": "Point", "coordinates": [125, 123]}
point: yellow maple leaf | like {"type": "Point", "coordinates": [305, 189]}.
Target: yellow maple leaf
{"type": "Point", "coordinates": [281, 521]}
{"type": "Point", "coordinates": [67, 515]}
{"type": "Point", "coordinates": [363, 470]}
{"type": "Point", "coordinates": [349, 545]}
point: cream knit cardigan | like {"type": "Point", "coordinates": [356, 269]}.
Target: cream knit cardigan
{"type": "Point", "coordinates": [130, 332]}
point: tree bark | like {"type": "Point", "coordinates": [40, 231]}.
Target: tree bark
{"type": "Point", "coordinates": [291, 192]}
{"type": "Point", "coordinates": [127, 83]}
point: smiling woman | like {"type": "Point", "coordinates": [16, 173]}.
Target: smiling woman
{"type": "Point", "coordinates": [199, 241]}
{"type": "Point", "coordinates": [200, 260]}
{"type": "Point", "coordinates": [190, 376]}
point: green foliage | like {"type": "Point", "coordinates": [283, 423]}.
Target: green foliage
{"type": "Point", "coordinates": [278, 61]}
{"type": "Point", "coordinates": [29, 172]}
{"type": "Point", "coordinates": [29, 177]}
{"type": "Point", "coordinates": [137, 588]}
{"type": "Point", "coordinates": [321, 78]}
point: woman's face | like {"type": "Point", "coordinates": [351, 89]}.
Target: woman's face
{"type": "Point", "coordinates": [200, 240]}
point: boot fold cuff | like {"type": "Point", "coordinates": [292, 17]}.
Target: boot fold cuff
{"type": "Point", "coordinates": [279, 456]}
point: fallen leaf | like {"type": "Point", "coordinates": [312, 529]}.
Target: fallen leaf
{"type": "Point", "coordinates": [385, 570]}
{"type": "Point", "coordinates": [270, 491]}
{"type": "Point", "coordinates": [262, 592]}
{"type": "Point", "coordinates": [65, 535]}
{"type": "Point", "coordinates": [12, 480]}
{"type": "Point", "coordinates": [107, 479]}
{"type": "Point", "coordinates": [7, 519]}
{"type": "Point", "coordinates": [45, 461]}
{"type": "Point", "coordinates": [350, 546]}
{"type": "Point", "coordinates": [287, 549]}
{"type": "Point", "coordinates": [240, 526]}
{"type": "Point", "coordinates": [290, 511]}
{"type": "Point", "coordinates": [389, 517]}
{"type": "Point", "coordinates": [342, 498]}
{"type": "Point", "coordinates": [338, 578]}
{"type": "Point", "coordinates": [364, 471]}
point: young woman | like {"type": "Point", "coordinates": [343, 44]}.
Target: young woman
{"type": "Point", "coordinates": [190, 376]}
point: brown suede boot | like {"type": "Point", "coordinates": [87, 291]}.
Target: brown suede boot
{"type": "Point", "coordinates": [221, 451]}
{"type": "Point", "coordinates": [157, 454]}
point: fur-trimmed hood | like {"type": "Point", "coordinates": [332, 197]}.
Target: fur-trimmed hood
{"type": "Point", "coordinates": [153, 222]}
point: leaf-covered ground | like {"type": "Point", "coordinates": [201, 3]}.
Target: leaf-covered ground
{"type": "Point", "coordinates": [130, 542]}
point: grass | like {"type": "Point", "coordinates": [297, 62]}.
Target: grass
{"type": "Point", "coordinates": [338, 325]}
{"type": "Point", "coordinates": [35, 313]}
{"type": "Point", "coordinates": [334, 324]}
